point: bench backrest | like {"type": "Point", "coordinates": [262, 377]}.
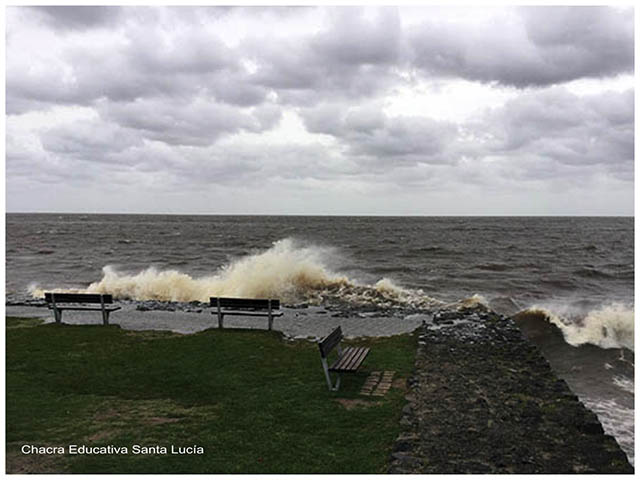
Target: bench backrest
{"type": "Point", "coordinates": [245, 303]}
{"type": "Point", "coordinates": [330, 342]}
{"type": "Point", "coordinates": [78, 298]}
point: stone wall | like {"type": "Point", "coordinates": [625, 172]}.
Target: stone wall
{"type": "Point", "coordinates": [482, 399]}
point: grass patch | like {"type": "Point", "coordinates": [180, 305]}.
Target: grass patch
{"type": "Point", "coordinates": [15, 322]}
{"type": "Point", "coordinates": [254, 401]}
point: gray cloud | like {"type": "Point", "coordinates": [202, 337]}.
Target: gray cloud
{"type": "Point", "coordinates": [375, 139]}
{"type": "Point", "coordinates": [415, 139]}
{"type": "Point", "coordinates": [146, 62]}
{"type": "Point", "coordinates": [89, 141]}
{"type": "Point", "coordinates": [178, 106]}
{"type": "Point", "coordinates": [533, 136]}
{"type": "Point", "coordinates": [561, 126]}
{"type": "Point", "coordinates": [188, 51]}
{"type": "Point", "coordinates": [79, 17]}
{"type": "Point", "coordinates": [353, 40]}
{"type": "Point", "coordinates": [539, 46]}
{"type": "Point", "coordinates": [542, 136]}
{"type": "Point", "coordinates": [353, 57]}
{"type": "Point", "coordinates": [197, 122]}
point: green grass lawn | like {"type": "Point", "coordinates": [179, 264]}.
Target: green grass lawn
{"type": "Point", "coordinates": [254, 401]}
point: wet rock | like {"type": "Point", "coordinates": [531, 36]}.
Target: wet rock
{"type": "Point", "coordinates": [405, 442]}
{"type": "Point", "coordinates": [406, 461]}
{"type": "Point", "coordinates": [298, 306]}
{"type": "Point", "coordinates": [483, 400]}
{"type": "Point", "coordinates": [154, 305]}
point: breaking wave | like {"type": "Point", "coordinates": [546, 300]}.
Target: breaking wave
{"type": "Point", "coordinates": [288, 270]}
{"type": "Point", "coordinates": [624, 383]}
{"type": "Point", "coordinates": [610, 326]}
{"type": "Point", "coordinates": [474, 301]}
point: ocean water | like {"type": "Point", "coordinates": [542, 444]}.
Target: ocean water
{"type": "Point", "coordinates": [570, 279]}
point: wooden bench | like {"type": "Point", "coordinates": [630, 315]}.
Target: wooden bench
{"type": "Point", "coordinates": [253, 307]}
{"type": "Point", "coordinates": [348, 361]}
{"type": "Point", "coordinates": [58, 302]}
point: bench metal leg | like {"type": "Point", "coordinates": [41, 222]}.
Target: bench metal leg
{"type": "Point", "coordinates": [105, 313]}
{"type": "Point", "coordinates": [325, 367]}
{"type": "Point", "coordinates": [220, 314]}
{"type": "Point", "coordinates": [57, 314]}
{"type": "Point", "coordinates": [270, 321]}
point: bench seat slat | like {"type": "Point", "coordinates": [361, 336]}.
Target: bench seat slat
{"type": "Point", "coordinates": [357, 359]}
{"type": "Point", "coordinates": [257, 313]}
{"type": "Point", "coordinates": [245, 303]}
{"type": "Point", "coordinates": [344, 361]}
{"type": "Point", "coordinates": [78, 297]}
{"type": "Point", "coordinates": [351, 359]}
{"type": "Point", "coordinates": [96, 309]}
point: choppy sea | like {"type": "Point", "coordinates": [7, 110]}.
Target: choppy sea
{"type": "Point", "coordinates": [573, 273]}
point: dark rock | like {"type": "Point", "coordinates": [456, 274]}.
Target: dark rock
{"type": "Point", "coordinates": [407, 460]}
{"type": "Point", "coordinates": [484, 400]}
{"type": "Point", "coordinates": [405, 442]}
{"type": "Point", "coordinates": [405, 421]}
{"type": "Point", "coordinates": [298, 305]}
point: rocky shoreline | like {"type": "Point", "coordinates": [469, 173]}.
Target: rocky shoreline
{"type": "Point", "coordinates": [483, 399]}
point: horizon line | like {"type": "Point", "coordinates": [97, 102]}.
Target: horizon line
{"type": "Point", "coordinates": [318, 214]}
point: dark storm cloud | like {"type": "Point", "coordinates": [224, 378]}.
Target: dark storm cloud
{"type": "Point", "coordinates": [543, 135]}
{"type": "Point", "coordinates": [249, 165]}
{"type": "Point", "coordinates": [539, 46]}
{"type": "Point", "coordinates": [144, 66]}
{"type": "Point", "coordinates": [370, 134]}
{"type": "Point", "coordinates": [564, 127]}
{"type": "Point", "coordinates": [353, 57]}
{"type": "Point", "coordinates": [412, 139]}
{"type": "Point", "coordinates": [189, 51]}
{"type": "Point", "coordinates": [234, 88]}
{"type": "Point", "coordinates": [553, 135]}
{"type": "Point", "coordinates": [196, 122]}
{"type": "Point", "coordinates": [145, 62]}
{"type": "Point", "coordinates": [352, 39]}
{"type": "Point", "coordinates": [173, 101]}
{"type": "Point", "coordinates": [89, 141]}
{"type": "Point", "coordinates": [551, 127]}
{"type": "Point", "coordinates": [79, 17]}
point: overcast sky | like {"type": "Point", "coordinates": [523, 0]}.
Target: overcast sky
{"type": "Point", "coordinates": [260, 110]}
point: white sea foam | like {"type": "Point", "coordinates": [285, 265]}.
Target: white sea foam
{"type": "Point", "coordinates": [624, 383]}
{"type": "Point", "coordinates": [473, 301]}
{"type": "Point", "coordinates": [610, 326]}
{"type": "Point", "coordinates": [290, 271]}
{"type": "Point", "coordinates": [287, 270]}
{"type": "Point", "coordinates": [38, 292]}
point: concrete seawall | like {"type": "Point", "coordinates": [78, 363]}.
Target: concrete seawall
{"type": "Point", "coordinates": [483, 399]}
